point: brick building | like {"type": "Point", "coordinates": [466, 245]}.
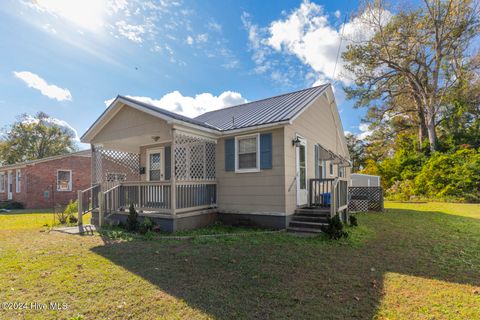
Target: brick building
{"type": "Point", "coordinates": [46, 182]}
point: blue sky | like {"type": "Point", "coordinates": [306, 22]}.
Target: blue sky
{"type": "Point", "coordinates": [68, 58]}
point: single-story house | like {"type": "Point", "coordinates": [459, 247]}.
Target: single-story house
{"type": "Point", "coordinates": [364, 180]}
{"type": "Point", "coordinates": [46, 182]}
{"type": "Point", "coordinates": [260, 163]}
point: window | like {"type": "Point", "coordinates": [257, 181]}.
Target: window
{"type": "Point", "coordinates": [64, 180]}
{"type": "Point", "coordinates": [18, 181]}
{"type": "Point", "coordinates": [331, 169]}
{"type": "Point", "coordinates": [302, 167]}
{"type": "Point", "coordinates": [341, 172]}
{"type": "Point", "coordinates": [2, 182]}
{"type": "Point", "coordinates": [114, 177]}
{"type": "Point", "coordinates": [247, 158]}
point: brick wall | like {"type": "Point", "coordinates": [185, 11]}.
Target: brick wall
{"type": "Point", "coordinates": [39, 178]}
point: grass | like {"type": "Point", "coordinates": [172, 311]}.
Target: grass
{"type": "Point", "coordinates": [415, 261]}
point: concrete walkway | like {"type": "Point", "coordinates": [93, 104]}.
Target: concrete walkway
{"type": "Point", "coordinates": [84, 229]}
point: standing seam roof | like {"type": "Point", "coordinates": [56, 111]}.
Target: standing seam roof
{"type": "Point", "coordinates": [270, 110]}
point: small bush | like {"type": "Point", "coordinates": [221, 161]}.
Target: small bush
{"type": "Point", "coordinates": [353, 221]}
{"type": "Point", "coordinates": [71, 212]}
{"type": "Point", "coordinates": [146, 225]}
{"type": "Point", "coordinates": [12, 205]}
{"type": "Point", "coordinates": [334, 229]}
{"type": "Point", "coordinates": [132, 219]}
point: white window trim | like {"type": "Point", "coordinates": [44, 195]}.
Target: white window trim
{"type": "Point", "coordinates": [18, 182]}
{"type": "Point", "coordinates": [160, 150]}
{"type": "Point", "coordinates": [257, 169]}
{"type": "Point", "coordinates": [2, 181]}
{"type": "Point", "coordinates": [70, 186]}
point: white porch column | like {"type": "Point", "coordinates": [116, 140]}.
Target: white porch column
{"type": "Point", "coordinates": [173, 178]}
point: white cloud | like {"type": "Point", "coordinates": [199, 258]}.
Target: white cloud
{"type": "Point", "coordinates": [364, 131]}
{"type": "Point", "coordinates": [87, 14]}
{"type": "Point", "coordinates": [337, 14]}
{"type": "Point", "coordinates": [215, 26]}
{"type": "Point", "coordinates": [48, 27]}
{"type": "Point", "coordinates": [65, 126]}
{"type": "Point", "coordinates": [192, 106]}
{"type": "Point", "coordinates": [202, 38]}
{"type": "Point", "coordinates": [36, 82]}
{"type": "Point", "coordinates": [130, 31]}
{"type": "Point", "coordinates": [307, 34]}
{"type": "Point", "coordinates": [190, 40]}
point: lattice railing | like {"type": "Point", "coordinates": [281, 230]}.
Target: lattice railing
{"type": "Point", "coordinates": [365, 199]}
{"type": "Point", "coordinates": [111, 165]}
{"type": "Point", "coordinates": [194, 157]}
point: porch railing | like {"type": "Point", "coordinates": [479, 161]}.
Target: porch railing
{"type": "Point", "coordinates": [329, 193]}
{"type": "Point", "coordinates": [320, 192]}
{"type": "Point", "coordinates": [156, 197]}
{"type": "Point", "coordinates": [87, 201]}
{"type": "Point", "coordinates": [340, 197]}
{"type": "Point", "coordinates": [195, 195]}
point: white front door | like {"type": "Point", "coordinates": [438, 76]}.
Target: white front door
{"type": "Point", "coordinates": [301, 167]}
{"type": "Point", "coordinates": [10, 185]}
{"type": "Point", "coordinates": [155, 164]}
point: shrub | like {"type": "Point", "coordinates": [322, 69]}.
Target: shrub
{"type": "Point", "coordinates": [146, 225]}
{"type": "Point", "coordinates": [12, 205]}
{"type": "Point", "coordinates": [334, 228]}
{"type": "Point", "coordinates": [132, 219]}
{"type": "Point", "coordinates": [60, 214]}
{"type": "Point", "coordinates": [455, 175]}
{"type": "Point", "coordinates": [71, 211]}
{"type": "Point", "coordinates": [353, 221]}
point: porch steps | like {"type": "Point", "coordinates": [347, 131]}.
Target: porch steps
{"type": "Point", "coordinates": [309, 220]}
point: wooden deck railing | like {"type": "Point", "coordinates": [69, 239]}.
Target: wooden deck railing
{"type": "Point", "coordinates": [87, 201]}
{"type": "Point", "coordinates": [156, 197]}
{"type": "Point", "coordinates": [339, 196]}
{"type": "Point", "coordinates": [320, 192]}
{"type": "Point", "coordinates": [329, 193]}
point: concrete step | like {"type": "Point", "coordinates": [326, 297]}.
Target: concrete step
{"type": "Point", "coordinates": [303, 230]}
{"type": "Point", "coordinates": [311, 218]}
{"type": "Point", "coordinates": [305, 224]}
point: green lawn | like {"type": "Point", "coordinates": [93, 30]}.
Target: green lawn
{"type": "Point", "coordinates": [416, 261]}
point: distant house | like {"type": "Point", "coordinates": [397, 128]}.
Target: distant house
{"type": "Point", "coordinates": [265, 162]}
{"type": "Point", "coordinates": [46, 182]}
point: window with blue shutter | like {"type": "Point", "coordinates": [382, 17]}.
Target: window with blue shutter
{"type": "Point", "coordinates": [266, 151]}
{"type": "Point", "coordinates": [230, 154]}
{"type": "Point", "coordinates": [168, 163]}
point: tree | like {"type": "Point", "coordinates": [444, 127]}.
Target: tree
{"type": "Point", "coordinates": [32, 138]}
{"type": "Point", "coordinates": [412, 61]}
{"type": "Point", "coordinates": [356, 149]}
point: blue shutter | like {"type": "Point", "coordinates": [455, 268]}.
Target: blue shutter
{"type": "Point", "coordinates": [168, 163]}
{"type": "Point", "coordinates": [230, 154]}
{"type": "Point", "coordinates": [266, 151]}
{"type": "Point", "coordinates": [317, 162]}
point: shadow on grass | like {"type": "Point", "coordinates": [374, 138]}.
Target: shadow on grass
{"type": "Point", "coordinates": [283, 276]}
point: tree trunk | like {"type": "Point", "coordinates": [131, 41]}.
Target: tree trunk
{"type": "Point", "coordinates": [432, 134]}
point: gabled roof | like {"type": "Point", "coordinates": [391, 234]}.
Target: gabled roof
{"type": "Point", "coordinates": [83, 153]}
{"type": "Point", "coordinates": [169, 114]}
{"type": "Point", "coordinates": [271, 110]}
{"type": "Point", "coordinates": [274, 110]}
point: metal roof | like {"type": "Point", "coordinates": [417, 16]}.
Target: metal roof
{"type": "Point", "coordinates": [271, 110]}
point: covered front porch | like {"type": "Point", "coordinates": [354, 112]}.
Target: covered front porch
{"type": "Point", "coordinates": [164, 178]}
